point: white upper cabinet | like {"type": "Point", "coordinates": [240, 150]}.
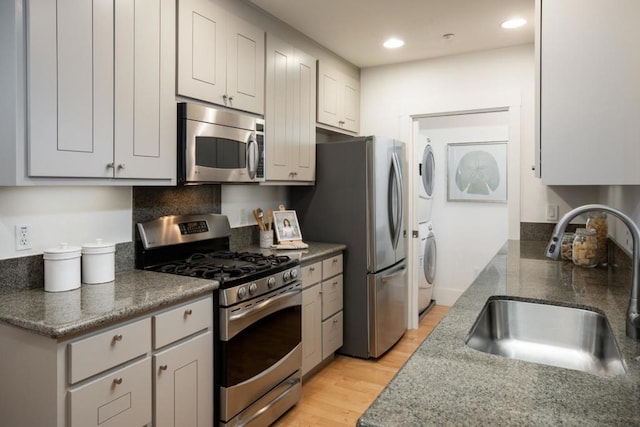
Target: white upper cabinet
{"type": "Point", "coordinates": [101, 89]}
{"type": "Point", "coordinates": [220, 57]}
{"type": "Point", "coordinates": [588, 88]}
{"type": "Point", "coordinates": [338, 98]}
{"type": "Point", "coordinates": [290, 113]}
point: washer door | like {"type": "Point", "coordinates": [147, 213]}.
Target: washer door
{"type": "Point", "coordinates": [430, 255]}
{"type": "Point", "coordinates": [428, 171]}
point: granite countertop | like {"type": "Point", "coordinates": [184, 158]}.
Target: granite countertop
{"type": "Point", "coordinates": [315, 251]}
{"type": "Point", "coordinates": [63, 314]}
{"type": "Point", "coordinates": [134, 292]}
{"type": "Point", "coordinates": [447, 383]}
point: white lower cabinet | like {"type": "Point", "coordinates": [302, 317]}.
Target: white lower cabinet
{"type": "Point", "coordinates": [322, 302]}
{"type": "Point", "coordinates": [183, 384]}
{"type": "Point", "coordinates": [153, 370]}
{"type": "Point", "coordinates": [122, 397]}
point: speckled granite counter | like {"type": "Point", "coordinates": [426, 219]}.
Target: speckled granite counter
{"type": "Point", "coordinates": [446, 383]}
{"type": "Point", "coordinates": [315, 251]}
{"type": "Point", "coordinates": [134, 292]}
{"type": "Point", "coordinates": [63, 314]}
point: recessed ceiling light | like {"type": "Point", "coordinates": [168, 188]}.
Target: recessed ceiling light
{"type": "Point", "coordinates": [513, 23]}
{"type": "Point", "coordinates": [393, 43]}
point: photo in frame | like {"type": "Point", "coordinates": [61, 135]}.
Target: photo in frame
{"type": "Point", "coordinates": [477, 172]}
{"type": "Point", "coordinates": [287, 226]}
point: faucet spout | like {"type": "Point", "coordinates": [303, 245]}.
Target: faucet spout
{"type": "Point", "coordinates": [554, 246]}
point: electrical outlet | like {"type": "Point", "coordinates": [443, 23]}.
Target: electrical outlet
{"type": "Point", "coordinates": [552, 212]}
{"type": "Point", "coordinates": [23, 237]}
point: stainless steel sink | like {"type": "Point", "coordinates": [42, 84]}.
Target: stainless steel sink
{"type": "Point", "coordinates": [546, 333]}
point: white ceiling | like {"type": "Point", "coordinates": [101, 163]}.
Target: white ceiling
{"type": "Point", "coordinates": [356, 29]}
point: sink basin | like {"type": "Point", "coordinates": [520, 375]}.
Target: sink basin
{"type": "Point", "coordinates": [547, 333]}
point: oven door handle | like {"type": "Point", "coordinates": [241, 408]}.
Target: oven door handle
{"type": "Point", "coordinates": [237, 322]}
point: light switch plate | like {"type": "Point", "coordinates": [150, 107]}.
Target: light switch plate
{"type": "Point", "coordinates": [552, 212]}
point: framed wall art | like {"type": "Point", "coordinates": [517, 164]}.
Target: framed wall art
{"type": "Point", "coordinates": [477, 172]}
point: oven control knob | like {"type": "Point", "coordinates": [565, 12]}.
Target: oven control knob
{"type": "Point", "coordinates": [242, 292]}
{"type": "Point", "coordinates": [294, 273]}
{"type": "Point", "coordinates": [253, 288]}
{"type": "Point", "coordinates": [271, 282]}
{"type": "Point", "coordinates": [286, 276]}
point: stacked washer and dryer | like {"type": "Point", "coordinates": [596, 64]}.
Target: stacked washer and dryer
{"type": "Point", "coordinates": [427, 252]}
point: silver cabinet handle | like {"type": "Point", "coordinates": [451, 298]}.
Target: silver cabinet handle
{"type": "Point", "coordinates": [121, 166]}
{"type": "Point", "coordinates": [163, 367]}
{"type": "Point", "coordinates": [117, 381]}
{"type": "Point", "coordinates": [188, 312]}
{"type": "Point", "coordinates": [116, 338]}
{"type": "Point", "coordinates": [110, 165]}
{"type": "Point", "coordinates": [231, 98]}
{"type": "Point", "coordinates": [312, 269]}
{"type": "Point", "coordinates": [224, 96]}
{"type": "Point", "coordinates": [335, 320]}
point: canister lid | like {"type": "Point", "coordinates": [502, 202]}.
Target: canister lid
{"type": "Point", "coordinates": [62, 251]}
{"type": "Point", "coordinates": [98, 247]}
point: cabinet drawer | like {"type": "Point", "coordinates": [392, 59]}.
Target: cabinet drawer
{"type": "Point", "coordinates": [120, 398]}
{"type": "Point", "coordinates": [331, 266]}
{"type": "Point", "coordinates": [331, 296]}
{"type": "Point", "coordinates": [331, 335]}
{"type": "Point", "coordinates": [100, 352]}
{"type": "Point", "coordinates": [182, 321]}
{"type": "Point", "coordinates": [311, 274]}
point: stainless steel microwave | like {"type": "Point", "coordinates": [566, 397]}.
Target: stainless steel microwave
{"type": "Point", "coordinates": [219, 146]}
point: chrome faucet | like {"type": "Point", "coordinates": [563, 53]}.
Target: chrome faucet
{"type": "Point", "coordinates": [553, 251]}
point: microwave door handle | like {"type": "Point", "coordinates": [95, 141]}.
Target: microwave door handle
{"type": "Point", "coordinates": [252, 157]}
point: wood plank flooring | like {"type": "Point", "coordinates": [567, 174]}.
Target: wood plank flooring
{"type": "Point", "coordinates": [338, 394]}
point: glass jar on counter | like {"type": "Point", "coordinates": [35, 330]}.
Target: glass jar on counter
{"type": "Point", "coordinates": [597, 221]}
{"type": "Point", "coordinates": [585, 248]}
{"type": "Point", "coordinates": [567, 246]}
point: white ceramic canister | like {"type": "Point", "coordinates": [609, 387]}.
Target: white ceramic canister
{"type": "Point", "coordinates": [98, 262]}
{"type": "Point", "coordinates": [61, 268]}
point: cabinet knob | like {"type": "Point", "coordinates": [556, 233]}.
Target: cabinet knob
{"type": "Point", "coordinates": [231, 98]}
{"type": "Point", "coordinates": [117, 381]}
{"type": "Point", "coordinates": [116, 338]}
{"type": "Point", "coordinates": [533, 167]}
{"type": "Point", "coordinates": [335, 260]}
{"type": "Point", "coordinates": [121, 166]}
{"type": "Point", "coordinates": [312, 269]}
{"type": "Point", "coordinates": [335, 283]}
{"type": "Point", "coordinates": [335, 320]}
{"type": "Point", "coordinates": [224, 96]}
{"type": "Point", "coordinates": [188, 312]}
{"type": "Point", "coordinates": [163, 367]}
{"type": "Point", "coordinates": [110, 165]}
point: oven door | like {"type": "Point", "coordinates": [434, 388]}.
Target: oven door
{"type": "Point", "coordinates": [261, 347]}
{"type": "Point", "coordinates": [216, 153]}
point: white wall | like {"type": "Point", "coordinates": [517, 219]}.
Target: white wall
{"type": "Point", "coordinates": [74, 215]}
{"type": "Point", "coordinates": [486, 79]}
{"type": "Point", "coordinates": [469, 231]}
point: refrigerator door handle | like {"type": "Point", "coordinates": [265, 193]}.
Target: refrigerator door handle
{"type": "Point", "coordinates": [397, 181]}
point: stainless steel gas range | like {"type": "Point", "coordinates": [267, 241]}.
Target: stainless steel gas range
{"type": "Point", "coordinates": [258, 350]}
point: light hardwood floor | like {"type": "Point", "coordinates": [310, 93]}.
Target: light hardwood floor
{"type": "Point", "coordinates": [338, 394]}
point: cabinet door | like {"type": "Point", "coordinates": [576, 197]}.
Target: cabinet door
{"type": "Point", "coordinates": [245, 66]}
{"type": "Point", "coordinates": [202, 51]}
{"type": "Point", "coordinates": [350, 104]}
{"type": "Point", "coordinates": [332, 296]}
{"type": "Point", "coordinates": [70, 80]}
{"type": "Point", "coordinates": [303, 141]}
{"type": "Point", "coordinates": [332, 334]}
{"type": "Point", "coordinates": [145, 120]}
{"type": "Point", "coordinates": [589, 93]}
{"type": "Point", "coordinates": [120, 398]}
{"type": "Point", "coordinates": [311, 328]}
{"type": "Point", "coordinates": [279, 108]}
{"type": "Point", "coordinates": [184, 384]}
{"type": "Point", "coordinates": [328, 96]}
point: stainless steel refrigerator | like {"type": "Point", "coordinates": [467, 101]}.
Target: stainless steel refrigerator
{"type": "Point", "coordinates": [359, 199]}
